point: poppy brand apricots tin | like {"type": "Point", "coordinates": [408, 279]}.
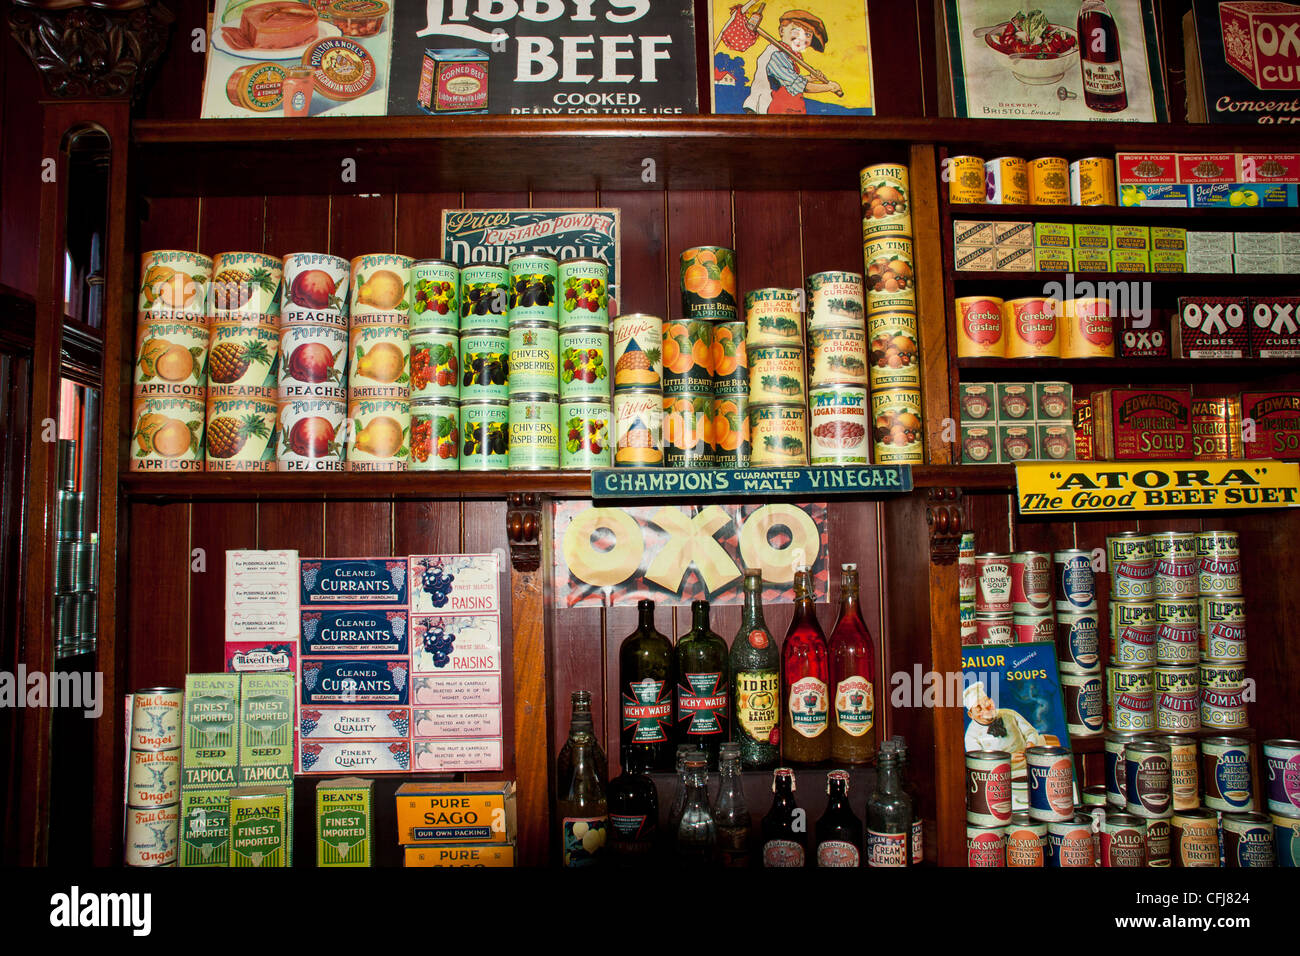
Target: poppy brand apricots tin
{"type": "Point", "coordinates": [1123, 840]}
{"type": "Point", "coordinates": [1133, 632]}
{"type": "Point", "coordinates": [583, 290]}
{"type": "Point", "coordinates": [1248, 840]}
{"type": "Point", "coordinates": [314, 289]}
{"type": "Point", "coordinates": [534, 359]}
{"type": "Point", "coordinates": [534, 432]}
{"type": "Point", "coordinates": [1077, 641]}
{"type": "Point", "coordinates": [965, 178]}
{"type": "Point", "coordinates": [168, 434]}
{"type": "Point", "coordinates": [151, 835]}
{"type": "Point", "coordinates": [776, 374]}
{"type": "Point", "coordinates": [1222, 623]}
{"type": "Point", "coordinates": [156, 718]}
{"type": "Point", "coordinates": [153, 778]}
{"type": "Point", "coordinates": [839, 357]}
{"type": "Point", "coordinates": [894, 355]}
{"type": "Point", "coordinates": [986, 846]}
{"type": "Point", "coordinates": [485, 436]}
{"type": "Point", "coordinates": [1051, 784]}
{"type": "Point", "coordinates": [835, 300]}
{"type": "Point", "coordinates": [638, 341]}
{"type": "Point", "coordinates": [313, 361]}
{"type": "Point", "coordinates": [380, 287]}
{"type": "Point", "coordinates": [1032, 328]}
{"type": "Point", "coordinates": [243, 359]}
{"type": "Point", "coordinates": [435, 366]}
{"type": "Point", "coordinates": [171, 358]}
{"type": "Point", "coordinates": [886, 201]}
{"type": "Point", "coordinates": [1085, 703]}
{"type": "Point", "coordinates": [1223, 710]}
{"type": "Point", "coordinates": [532, 288]}
{"type": "Point", "coordinates": [484, 297]}
{"type": "Point", "coordinates": [245, 285]}
{"type": "Point", "coordinates": [688, 430]}
{"type": "Point", "coordinates": [241, 434]}
{"type": "Point", "coordinates": [896, 426]}
{"type": "Point", "coordinates": [1006, 181]}
{"type": "Point", "coordinates": [585, 430]}
{"type": "Point", "coordinates": [1026, 841]}
{"type": "Point", "coordinates": [379, 434]}
{"type": "Point", "coordinates": [774, 317]}
{"type": "Point", "coordinates": [584, 364]}
{"type": "Point", "coordinates": [174, 285]}
{"type": "Point", "coordinates": [778, 435]}
{"type": "Point", "coordinates": [988, 787]}
{"type": "Point", "coordinates": [1087, 328]}
{"type": "Point", "coordinates": [891, 276]}
{"type": "Point", "coordinates": [435, 437]}
{"type": "Point", "coordinates": [381, 361]}
{"type": "Point", "coordinates": [638, 429]}
{"type": "Point", "coordinates": [731, 430]}
{"type": "Point", "coordinates": [688, 357]}
{"type": "Point", "coordinates": [837, 426]}
{"type": "Point", "coordinates": [1049, 181]}
{"type": "Point", "coordinates": [980, 331]}
{"type": "Point", "coordinates": [1194, 838]}
{"type": "Point", "coordinates": [484, 365]}
{"type": "Point", "coordinates": [730, 359]}
{"type": "Point", "coordinates": [1092, 182]}
{"type": "Point", "coordinates": [312, 433]}
{"type": "Point", "coordinates": [435, 296]}
{"type": "Point", "coordinates": [708, 284]}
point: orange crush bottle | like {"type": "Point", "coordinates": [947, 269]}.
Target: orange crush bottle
{"type": "Point", "coordinates": [805, 727]}
{"type": "Point", "coordinates": [853, 678]}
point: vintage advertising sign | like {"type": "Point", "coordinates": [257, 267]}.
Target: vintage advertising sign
{"type": "Point", "coordinates": [1049, 488]}
{"type": "Point", "coordinates": [491, 236]}
{"type": "Point", "coordinates": [737, 482]}
{"type": "Point", "coordinates": [1248, 56]}
{"type": "Point", "coordinates": [543, 57]}
{"type": "Point", "coordinates": [675, 555]}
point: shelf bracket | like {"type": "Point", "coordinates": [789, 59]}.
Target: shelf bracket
{"type": "Point", "coordinates": [524, 530]}
{"type": "Point", "coordinates": [945, 515]}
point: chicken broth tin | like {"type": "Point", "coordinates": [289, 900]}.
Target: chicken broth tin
{"type": "Point", "coordinates": [584, 364]}
{"type": "Point", "coordinates": [381, 362]}
{"type": "Point", "coordinates": [838, 426]}
{"type": "Point", "coordinates": [638, 341]}
{"type": "Point", "coordinates": [839, 357]}
{"type": "Point", "coordinates": [484, 365]}
{"type": "Point", "coordinates": [171, 358]}
{"type": "Point", "coordinates": [583, 294]}
{"type": "Point", "coordinates": [585, 428]}
{"type": "Point", "coordinates": [174, 285]}
{"type": "Point", "coordinates": [241, 434]}
{"type": "Point", "coordinates": [835, 300]}
{"type": "Point", "coordinates": [312, 434]}
{"type": "Point", "coordinates": [531, 292]}
{"type": "Point", "coordinates": [534, 443]}
{"type": "Point", "coordinates": [435, 366]}
{"type": "Point", "coordinates": [168, 434]}
{"type": "Point", "coordinates": [776, 374]}
{"type": "Point", "coordinates": [315, 289]}
{"type": "Point", "coordinates": [435, 296]}
{"type": "Point", "coordinates": [313, 361]}
{"type": "Point", "coordinates": [638, 429]}
{"type": "Point", "coordinates": [379, 436]}
{"type": "Point", "coordinates": [245, 285]}
{"type": "Point", "coordinates": [886, 201]}
{"type": "Point", "coordinates": [435, 436]}
{"type": "Point", "coordinates": [774, 317]}
{"type": "Point", "coordinates": [484, 297]}
{"type": "Point", "coordinates": [485, 428]}
{"type": "Point", "coordinates": [380, 286]}
{"type": "Point", "coordinates": [688, 430]}
{"type": "Point", "coordinates": [534, 359]}
{"type": "Point", "coordinates": [731, 431]}
{"type": "Point", "coordinates": [778, 435]}
{"type": "Point", "coordinates": [243, 360]}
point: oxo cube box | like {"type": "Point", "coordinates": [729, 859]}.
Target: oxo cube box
{"type": "Point", "coordinates": [1275, 326]}
{"type": "Point", "coordinates": [1272, 421]}
{"type": "Point", "coordinates": [1255, 41]}
{"type": "Point", "coordinates": [1211, 327]}
{"type": "Point", "coordinates": [211, 729]}
{"type": "Point", "coordinates": [1145, 337]}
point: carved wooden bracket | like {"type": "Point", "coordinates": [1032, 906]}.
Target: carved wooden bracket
{"type": "Point", "coordinates": [102, 49]}
{"type": "Point", "coordinates": [945, 515]}
{"type": "Point", "coordinates": [524, 530]}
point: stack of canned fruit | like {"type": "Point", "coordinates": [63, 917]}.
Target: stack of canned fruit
{"type": "Point", "coordinates": [891, 326]}
{"type": "Point", "coordinates": [1035, 327]}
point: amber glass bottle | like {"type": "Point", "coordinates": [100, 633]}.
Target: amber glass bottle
{"type": "Point", "coordinates": [805, 725]}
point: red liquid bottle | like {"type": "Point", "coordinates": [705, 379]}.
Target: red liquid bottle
{"type": "Point", "coordinates": [806, 732]}
{"type": "Point", "coordinates": [1099, 59]}
{"type": "Point", "coordinates": [853, 678]}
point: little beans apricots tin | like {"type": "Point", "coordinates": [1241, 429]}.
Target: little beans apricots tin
{"type": "Point", "coordinates": [688, 430]}
{"type": "Point", "coordinates": [708, 284]}
{"type": "Point", "coordinates": [731, 430]}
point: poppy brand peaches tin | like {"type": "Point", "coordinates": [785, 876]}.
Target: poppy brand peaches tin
{"type": "Point", "coordinates": [837, 426]}
{"type": "Point", "coordinates": [965, 178]}
{"type": "Point", "coordinates": [315, 289]}
{"type": "Point", "coordinates": [1282, 776]}
{"type": "Point", "coordinates": [153, 778]}
{"type": "Point", "coordinates": [245, 286]}
{"type": "Point", "coordinates": [839, 357]}
{"type": "Point", "coordinates": [894, 355]}
{"type": "Point", "coordinates": [731, 430]}
{"type": "Point", "coordinates": [378, 434]}
{"type": "Point", "coordinates": [835, 300]}
{"type": "Point", "coordinates": [638, 429]}
{"type": "Point", "coordinates": [584, 364]}
{"type": "Point", "coordinates": [534, 359]}
{"type": "Point", "coordinates": [1031, 325]}
{"type": "Point", "coordinates": [381, 361]}
{"type": "Point", "coordinates": [778, 435]}
{"type": "Point", "coordinates": [311, 434]}
{"type": "Point", "coordinates": [1026, 841]}
{"type": "Point", "coordinates": [484, 365]}
{"type": "Point", "coordinates": [313, 361]}
{"type": "Point", "coordinates": [980, 327]}
{"type": "Point", "coordinates": [243, 360]}
{"type": "Point", "coordinates": [585, 430]}
{"type": "Point", "coordinates": [484, 297]}
{"type": "Point", "coordinates": [174, 285]}
{"type": "Point", "coordinates": [380, 286]}
{"type": "Point", "coordinates": [896, 426]}
{"type": "Point", "coordinates": [531, 293]}
{"type": "Point", "coordinates": [534, 441]}
{"type": "Point", "coordinates": [776, 374]}
{"type": "Point", "coordinates": [730, 359]}
{"type": "Point", "coordinates": [435, 437]}
{"type": "Point", "coordinates": [1006, 181]}
{"type": "Point", "coordinates": [1087, 328]}
{"type": "Point", "coordinates": [241, 434]}
{"type": "Point", "coordinates": [1049, 181]}
{"type": "Point", "coordinates": [688, 357]}
{"type": "Point", "coordinates": [886, 201]}
{"type": "Point", "coordinates": [1051, 784]}
{"type": "Point", "coordinates": [485, 430]}
{"type": "Point", "coordinates": [435, 366]}
{"type": "Point", "coordinates": [435, 296]}
{"type": "Point", "coordinates": [688, 430]}
{"type": "Point", "coordinates": [708, 284]}
{"type": "Point", "coordinates": [168, 434]}
{"type": "Point", "coordinates": [171, 358]}
{"type": "Point", "coordinates": [638, 341]}
{"type": "Point", "coordinates": [890, 279]}
{"type": "Point", "coordinates": [584, 294]}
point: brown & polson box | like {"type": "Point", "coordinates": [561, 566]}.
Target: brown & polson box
{"type": "Point", "coordinates": [1211, 326]}
{"type": "Point", "coordinates": [1275, 326]}
{"type": "Point", "coordinates": [1142, 423]}
{"type": "Point", "coordinates": [1272, 421]}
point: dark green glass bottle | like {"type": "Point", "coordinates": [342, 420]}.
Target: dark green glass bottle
{"type": "Point", "coordinates": [703, 683]}
{"type": "Point", "coordinates": [647, 676]}
{"type": "Point", "coordinates": [756, 682]}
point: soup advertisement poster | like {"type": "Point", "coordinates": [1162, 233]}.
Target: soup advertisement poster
{"type": "Point", "coordinates": [673, 555]}
{"type": "Point", "coordinates": [1010, 60]}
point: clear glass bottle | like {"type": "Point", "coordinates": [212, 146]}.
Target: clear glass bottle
{"type": "Point", "coordinates": [633, 816]}
{"type": "Point", "coordinates": [697, 833]}
{"type": "Point", "coordinates": [703, 682]}
{"type": "Point", "coordinates": [732, 813]}
{"type": "Point", "coordinates": [916, 844]}
{"type": "Point", "coordinates": [839, 831]}
{"type": "Point", "coordinates": [785, 832]}
{"type": "Point", "coordinates": [679, 789]}
{"type": "Point", "coordinates": [580, 793]}
{"type": "Point", "coordinates": [889, 814]}
{"type": "Point", "coordinates": [805, 727]}
{"type": "Point", "coordinates": [647, 676]}
{"type": "Point", "coordinates": [853, 679]}
{"type": "Point", "coordinates": [756, 682]}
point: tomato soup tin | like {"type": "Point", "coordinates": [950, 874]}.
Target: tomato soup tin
{"type": "Point", "coordinates": [778, 435]}
{"type": "Point", "coordinates": [381, 361]}
{"type": "Point", "coordinates": [835, 300]}
{"type": "Point", "coordinates": [485, 431]}
{"type": "Point", "coordinates": [171, 358]}
{"type": "Point", "coordinates": [980, 327]}
{"type": "Point", "coordinates": [638, 342]}
{"type": "Point", "coordinates": [584, 364]}
{"type": "Point", "coordinates": [435, 366]}
{"type": "Point", "coordinates": [893, 352]}
{"type": "Point", "coordinates": [891, 278]}
{"type": "Point", "coordinates": [484, 365]}
{"type": "Point", "coordinates": [435, 436]}
{"type": "Point", "coordinates": [312, 434]}
{"type": "Point", "coordinates": [688, 430]}
{"type": "Point", "coordinates": [243, 360]}
{"type": "Point", "coordinates": [837, 426]}
{"type": "Point", "coordinates": [638, 429]}
{"type": "Point", "coordinates": [174, 285]}
{"type": "Point", "coordinates": [896, 418]}
{"type": "Point", "coordinates": [585, 428]}
{"type": "Point", "coordinates": [584, 294]}
{"type": "Point", "coordinates": [688, 357]}
{"type": "Point", "coordinates": [731, 430]}
{"type": "Point", "coordinates": [534, 359]}
{"type": "Point", "coordinates": [838, 357]}
{"type": "Point", "coordinates": [484, 297]}
{"type": "Point", "coordinates": [531, 294]}
{"type": "Point", "coordinates": [381, 284]}
{"type": "Point", "coordinates": [313, 361]}
{"type": "Point", "coordinates": [378, 438]}
{"type": "Point", "coordinates": [435, 296]}
{"type": "Point", "coordinates": [245, 285]}
{"type": "Point", "coordinates": [1031, 328]}
{"type": "Point", "coordinates": [774, 317]}
{"type": "Point", "coordinates": [776, 374]}
{"type": "Point", "coordinates": [708, 284]}
{"type": "Point", "coordinates": [241, 434]}
{"type": "Point", "coordinates": [168, 434]}
{"type": "Point", "coordinates": [315, 289]}
{"type": "Point", "coordinates": [534, 443]}
{"type": "Point", "coordinates": [886, 201]}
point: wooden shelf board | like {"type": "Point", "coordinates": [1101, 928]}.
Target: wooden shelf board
{"type": "Point", "coordinates": [1227, 281]}
{"type": "Point", "coordinates": [1192, 218]}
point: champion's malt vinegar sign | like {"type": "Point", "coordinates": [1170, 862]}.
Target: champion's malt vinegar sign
{"type": "Point", "coordinates": [675, 555]}
{"type": "Point", "coordinates": [1126, 486]}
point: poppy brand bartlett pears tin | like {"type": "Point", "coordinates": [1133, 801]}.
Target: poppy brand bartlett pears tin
{"type": "Point", "coordinates": [380, 289]}
{"type": "Point", "coordinates": [774, 317]}
{"type": "Point", "coordinates": [688, 357]}
{"type": "Point", "coordinates": [1049, 181]}
{"type": "Point", "coordinates": [776, 374]}
{"type": "Point", "coordinates": [1194, 838]}
{"type": "Point", "coordinates": [314, 289]}
{"type": "Point", "coordinates": [838, 356]}
{"type": "Point", "coordinates": [435, 296]}
{"type": "Point", "coordinates": [1226, 774]}
{"type": "Point", "coordinates": [171, 359]}
{"type": "Point", "coordinates": [838, 426]}
{"type": "Point", "coordinates": [243, 359]}
{"type": "Point", "coordinates": [484, 365]}
{"type": "Point", "coordinates": [168, 434]}
{"type": "Point", "coordinates": [584, 364]}
{"type": "Point", "coordinates": [835, 300]}
{"type": "Point", "coordinates": [1123, 840]}
{"type": "Point", "coordinates": [988, 787]}
{"type": "Point", "coordinates": [174, 285]}
{"type": "Point", "coordinates": [585, 429]}
{"type": "Point", "coordinates": [637, 340]}
{"type": "Point", "coordinates": [1248, 840]}
{"type": "Point", "coordinates": [1282, 776]}
{"type": "Point", "coordinates": [241, 434]}
{"type": "Point", "coordinates": [731, 444]}
{"type": "Point", "coordinates": [245, 285]}
{"type": "Point", "coordinates": [485, 297]}
{"type": "Point", "coordinates": [583, 286]}
{"type": "Point", "coordinates": [1078, 642]}
{"type": "Point", "coordinates": [1006, 181]}
{"type": "Point", "coordinates": [1026, 841]}
{"type": "Point", "coordinates": [890, 279]}
{"type": "Point", "coordinates": [1051, 783]}
{"type": "Point", "coordinates": [531, 292]}
{"type": "Point", "coordinates": [778, 435]}
{"type": "Point", "coordinates": [313, 361]}
{"type": "Point", "coordinates": [886, 201]}
{"type": "Point", "coordinates": [1070, 841]}
{"type": "Point", "coordinates": [534, 443]}
{"type": "Point", "coordinates": [893, 354]}
{"type": "Point", "coordinates": [485, 431]}
{"type": "Point", "coordinates": [980, 327]}
{"type": "Point", "coordinates": [1223, 628]}
{"type": "Point", "coordinates": [435, 436]}
{"type": "Point", "coordinates": [381, 362]}
{"type": "Point", "coordinates": [638, 429]}
{"type": "Point", "coordinates": [1031, 326]}
{"type": "Point", "coordinates": [708, 284]}
{"type": "Point", "coordinates": [312, 433]}
{"type": "Point", "coordinates": [1085, 703]}
{"type": "Point", "coordinates": [965, 178]}
{"type": "Point", "coordinates": [534, 359]}
{"type": "Point", "coordinates": [1075, 584]}
{"type": "Point", "coordinates": [378, 436]}
{"type": "Point", "coordinates": [688, 431]}
{"type": "Point", "coordinates": [435, 366]}
{"type": "Point", "coordinates": [985, 846]}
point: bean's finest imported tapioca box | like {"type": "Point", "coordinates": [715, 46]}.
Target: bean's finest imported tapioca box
{"type": "Point", "coordinates": [211, 725]}
{"type": "Point", "coordinates": [266, 724]}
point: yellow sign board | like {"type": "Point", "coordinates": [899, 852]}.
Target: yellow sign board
{"type": "Point", "coordinates": [1047, 488]}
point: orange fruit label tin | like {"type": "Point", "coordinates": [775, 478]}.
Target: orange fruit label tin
{"type": "Point", "coordinates": [174, 284]}
{"type": "Point", "coordinates": [1049, 181]}
{"type": "Point", "coordinates": [170, 358]}
{"type": "Point", "coordinates": [979, 327]}
{"type": "Point", "coordinates": [168, 434]}
{"type": "Point", "coordinates": [688, 430]}
{"type": "Point", "coordinates": [731, 430]}
{"type": "Point", "coordinates": [730, 359]}
{"type": "Point", "coordinates": [1031, 327]}
{"type": "Point", "coordinates": [708, 284]}
{"type": "Point", "coordinates": [688, 357]}
{"type": "Point", "coordinates": [965, 176]}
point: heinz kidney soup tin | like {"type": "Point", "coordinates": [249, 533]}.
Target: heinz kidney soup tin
{"type": "Point", "coordinates": [174, 285]}
{"type": "Point", "coordinates": [314, 289]}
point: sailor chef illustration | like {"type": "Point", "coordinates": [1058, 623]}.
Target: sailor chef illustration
{"type": "Point", "coordinates": [778, 86]}
{"type": "Point", "coordinates": [999, 728]}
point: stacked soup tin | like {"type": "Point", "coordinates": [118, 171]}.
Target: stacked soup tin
{"type": "Point", "coordinates": [1076, 633]}
{"type": "Point", "coordinates": [1130, 559]}
{"type": "Point", "coordinates": [434, 323]}
{"type": "Point", "coordinates": [379, 380]}
{"type": "Point", "coordinates": [708, 303]}
{"type": "Point", "coordinates": [1222, 624]}
{"type": "Point", "coordinates": [76, 563]}
{"type": "Point", "coordinates": [837, 368]}
{"type": "Point", "coordinates": [153, 790]}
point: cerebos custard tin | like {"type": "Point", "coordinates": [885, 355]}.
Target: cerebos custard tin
{"type": "Point", "coordinates": [381, 361]}
{"type": "Point", "coordinates": [835, 299]}
{"type": "Point", "coordinates": [688, 430]}
{"type": "Point", "coordinates": [531, 295]}
{"type": "Point", "coordinates": [778, 435]}
{"type": "Point", "coordinates": [312, 434]}
{"type": "Point", "coordinates": [534, 359]}
{"type": "Point", "coordinates": [313, 361]}
{"type": "Point", "coordinates": [839, 357]}
{"type": "Point", "coordinates": [638, 342]}
{"type": "Point", "coordinates": [534, 432]}
{"type": "Point", "coordinates": [688, 357]}
{"type": "Point", "coordinates": [837, 426]}
{"type": "Point", "coordinates": [168, 434]}
{"type": "Point", "coordinates": [174, 285]}
{"type": "Point", "coordinates": [379, 436]}
{"type": "Point", "coordinates": [708, 284]}
{"type": "Point", "coordinates": [314, 289]}
{"type": "Point", "coordinates": [731, 430]}
{"type": "Point", "coordinates": [980, 327]}
{"type": "Point", "coordinates": [381, 285]}
{"type": "Point", "coordinates": [774, 317]}
{"type": "Point", "coordinates": [1087, 328]}
{"type": "Point", "coordinates": [485, 430]}
{"type": "Point", "coordinates": [896, 417]}
{"type": "Point", "coordinates": [435, 436]}
{"type": "Point", "coordinates": [638, 427]}
{"type": "Point", "coordinates": [241, 434]}
{"type": "Point", "coordinates": [894, 355]}
{"type": "Point", "coordinates": [171, 358]}
{"type": "Point", "coordinates": [435, 366]}
{"type": "Point", "coordinates": [243, 360]}
{"type": "Point", "coordinates": [584, 294]}
{"type": "Point", "coordinates": [1031, 327]}
{"type": "Point", "coordinates": [245, 285]}
{"type": "Point", "coordinates": [585, 428]}
{"type": "Point", "coordinates": [484, 365]}
{"type": "Point", "coordinates": [886, 201]}
{"type": "Point", "coordinates": [435, 295]}
{"type": "Point", "coordinates": [484, 297]}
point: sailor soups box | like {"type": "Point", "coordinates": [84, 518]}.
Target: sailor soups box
{"type": "Point", "coordinates": [326, 581]}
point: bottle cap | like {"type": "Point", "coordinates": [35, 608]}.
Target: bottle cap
{"type": "Point", "coordinates": [848, 567]}
{"type": "Point", "coordinates": [782, 773]}
{"type": "Point", "coordinates": [841, 776]}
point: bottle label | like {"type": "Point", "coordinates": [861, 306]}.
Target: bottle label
{"type": "Point", "coordinates": [584, 839]}
{"type": "Point", "coordinates": [733, 846]}
{"type": "Point", "coordinates": [647, 710]}
{"type": "Point", "coordinates": [757, 693]}
{"type": "Point", "coordinates": [886, 849]}
{"type": "Point", "coordinates": [782, 853]}
{"type": "Point", "coordinates": [758, 639]}
{"type": "Point", "coordinates": [838, 853]}
{"type": "Point", "coordinates": [1103, 79]}
{"type": "Point", "coordinates": [702, 704]}
{"type": "Point", "coordinates": [809, 708]}
{"type": "Point", "coordinates": [629, 827]}
{"type": "Point", "coordinates": [855, 706]}
{"type": "Point", "coordinates": [918, 842]}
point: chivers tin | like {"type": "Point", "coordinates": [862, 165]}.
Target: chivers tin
{"type": "Point", "coordinates": [485, 429]}
{"type": "Point", "coordinates": [1184, 771]}
{"type": "Point", "coordinates": [1051, 783]}
{"type": "Point", "coordinates": [534, 443]}
{"type": "Point", "coordinates": [688, 430]}
{"type": "Point", "coordinates": [1075, 585]}
{"type": "Point", "coordinates": [1026, 841]}
{"type": "Point", "coordinates": [585, 435]}
{"type": "Point", "coordinates": [484, 365]}
{"type": "Point", "coordinates": [1223, 710]}
{"type": "Point", "coordinates": [1123, 840]}
{"type": "Point", "coordinates": [988, 787]}
{"type": "Point", "coordinates": [1148, 786]}
{"type": "Point", "coordinates": [484, 298]}
{"type": "Point", "coordinates": [1069, 841]}
{"type": "Point", "coordinates": [835, 300]}
{"type": "Point", "coordinates": [986, 846]}
{"type": "Point", "coordinates": [1078, 642]}
{"type": "Point", "coordinates": [1226, 774]}
{"type": "Point", "coordinates": [531, 292]}
{"type": "Point", "coordinates": [435, 366]}
{"type": "Point", "coordinates": [534, 359]}
{"type": "Point", "coordinates": [583, 286]}
{"type": "Point", "coordinates": [1248, 840]}
{"type": "Point", "coordinates": [1085, 704]}
{"type": "Point", "coordinates": [1282, 776]}
{"type": "Point", "coordinates": [435, 295]}
{"type": "Point", "coordinates": [1223, 628]}
{"type": "Point", "coordinates": [435, 437]}
{"type": "Point", "coordinates": [1194, 838]}
{"type": "Point", "coordinates": [584, 364]}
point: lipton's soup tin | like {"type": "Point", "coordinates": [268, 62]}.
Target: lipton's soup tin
{"type": "Point", "coordinates": [381, 285]}
{"type": "Point", "coordinates": [174, 284]}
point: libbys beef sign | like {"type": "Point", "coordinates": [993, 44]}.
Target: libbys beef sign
{"type": "Point", "coordinates": [543, 57]}
{"type": "Point", "coordinates": [675, 554]}
{"type": "Point", "coordinates": [1047, 488]}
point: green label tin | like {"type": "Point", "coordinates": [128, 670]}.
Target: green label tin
{"type": "Point", "coordinates": [435, 295]}
{"type": "Point", "coordinates": [584, 435]}
{"type": "Point", "coordinates": [534, 433]}
{"type": "Point", "coordinates": [435, 437]}
{"type": "Point", "coordinates": [484, 436]}
{"type": "Point", "coordinates": [532, 289]}
{"type": "Point", "coordinates": [435, 366]}
{"type": "Point", "coordinates": [534, 359]}
{"type": "Point", "coordinates": [584, 294]}
{"type": "Point", "coordinates": [485, 365]}
{"type": "Point", "coordinates": [584, 364]}
{"type": "Point", "coordinates": [484, 297]}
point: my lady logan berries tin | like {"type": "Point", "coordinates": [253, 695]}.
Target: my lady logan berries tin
{"type": "Point", "coordinates": [708, 284]}
{"type": "Point", "coordinates": [534, 432]}
{"type": "Point", "coordinates": [484, 297]}
{"type": "Point", "coordinates": [534, 359]}
{"type": "Point", "coordinates": [484, 365]}
{"type": "Point", "coordinates": [583, 286]}
{"type": "Point", "coordinates": [585, 429]}
{"type": "Point", "coordinates": [435, 366]}
{"type": "Point", "coordinates": [435, 436]}
{"type": "Point", "coordinates": [532, 292]}
{"type": "Point", "coordinates": [838, 426]}
{"type": "Point", "coordinates": [584, 364]}
{"type": "Point", "coordinates": [435, 295]}
{"type": "Point", "coordinates": [485, 430]}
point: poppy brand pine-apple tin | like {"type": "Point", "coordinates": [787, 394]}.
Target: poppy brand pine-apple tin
{"type": "Point", "coordinates": [988, 787]}
{"type": "Point", "coordinates": [534, 432]}
{"type": "Point", "coordinates": [965, 177]}
{"type": "Point", "coordinates": [638, 342]}
{"type": "Point", "coordinates": [986, 846]}
{"type": "Point", "coordinates": [688, 357]}
{"type": "Point", "coordinates": [243, 359]}
{"type": "Point", "coordinates": [532, 290]}
{"type": "Point", "coordinates": [153, 778]}
{"type": "Point", "coordinates": [584, 364]}
{"type": "Point", "coordinates": [174, 285]}
{"type": "Point", "coordinates": [688, 430]}
{"type": "Point", "coordinates": [585, 429]}
{"type": "Point", "coordinates": [886, 201]}
{"type": "Point", "coordinates": [730, 359]}
{"type": "Point", "coordinates": [1132, 632]}
{"type": "Point", "coordinates": [776, 374]}
{"type": "Point", "coordinates": [835, 300]}
{"type": "Point", "coordinates": [1085, 703]}
{"type": "Point", "coordinates": [837, 426]}
{"type": "Point", "coordinates": [1051, 783]}
{"type": "Point", "coordinates": [1026, 841]}
{"type": "Point", "coordinates": [313, 361]}
{"type": "Point", "coordinates": [312, 433]}
{"type": "Point", "coordinates": [381, 362]}
{"type": "Point", "coordinates": [708, 284]}
{"type": "Point", "coordinates": [1148, 786]}
{"type": "Point", "coordinates": [435, 436]}
{"type": "Point", "coordinates": [1006, 181]}
{"type": "Point", "coordinates": [485, 297]}
{"type": "Point", "coordinates": [1194, 838]}
{"type": "Point", "coordinates": [896, 426]}
{"type": "Point", "coordinates": [1282, 776]}
{"type": "Point", "coordinates": [1031, 582]}
{"type": "Point", "coordinates": [1222, 625]}
{"type": "Point", "coordinates": [245, 286]}
{"type": "Point", "coordinates": [638, 429]}
{"type": "Point", "coordinates": [171, 358]}
{"type": "Point", "coordinates": [1123, 840]}
{"type": "Point", "coordinates": [778, 435]}
{"type": "Point", "coordinates": [1087, 328]}
{"type": "Point", "coordinates": [534, 359]}
{"type": "Point", "coordinates": [993, 583]}
{"type": "Point", "coordinates": [774, 317]}
{"type": "Point", "coordinates": [1070, 842]}
{"type": "Point", "coordinates": [168, 434]}
{"type": "Point", "coordinates": [484, 365]}
{"type": "Point", "coordinates": [891, 275]}
{"type": "Point", "coordinates": [583, 289]}
{"type": "Point", "coordinates": [435, 366]}
{"type": "Point", "coordinates": [980, 332]}
{"type": "Point", "coordinates": [1248, 840]}
{"type": "Point", "coordinates": [731, 431]}
{"type": "Point", "coordinates": [241, 434]}
{"type": "Point", "coordinates": [1031, 327]}
{"type": "Point", "coordinates": [1076, 588]}
{"type": "Point", "coordinates": [1078, 642]}
{"type": "Point", "coordinates": [1092, 182]}
{"type": "Point", "coordinates": [435, 296]}
{"type": "Point", "coordinates": [151, 835]}
{"type": "Point", "coordinates": [378, 434]}
{"type": "Point", "coordinates": [1226, 774]}
{"type": "Point", "coordinates": [1049, 181]}
{"type": "Point", "coordinates": [1223, 710]}
{"type": "Point", "coordinates": [485, 436]}
{"type": "Point", "coordinates": [894, 353]}
{"type": "Point", "coordinates": [314, 289]}
{"type": "Point", "coordinates": [156, 718]}
{"type": "Point", "coordinates": [839, 357]}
